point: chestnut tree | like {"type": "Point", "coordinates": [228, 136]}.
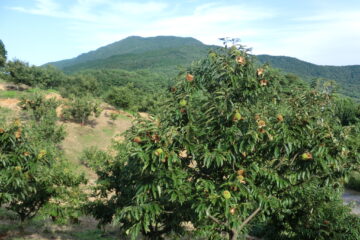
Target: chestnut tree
{"type": "Point", "coordinates": [32, 170]}
{"type": "Point", "coordinates": [233, 149]}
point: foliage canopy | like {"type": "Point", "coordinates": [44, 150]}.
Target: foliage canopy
{"type": "Point", "coordinates": [232, 143]}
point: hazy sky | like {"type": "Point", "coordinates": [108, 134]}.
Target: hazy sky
{"type": "Point", "coordinates": [318, 31]}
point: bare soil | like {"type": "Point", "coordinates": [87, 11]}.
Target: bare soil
{"type": "Point", "coordinates": [10, 103]}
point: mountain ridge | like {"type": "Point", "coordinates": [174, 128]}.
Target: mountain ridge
{"type": "Point", "coordinates": [166, 53]}
{"type": "Point", "coordinates": [131, 44]}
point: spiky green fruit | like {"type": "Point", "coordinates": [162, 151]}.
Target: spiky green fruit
{"type": "Point", "coordinates": [183, 102]}
{"type": "Point", "coordinates": [306, 156]}
{"type": "Point", "coordinates": [236, 117]}
{"type": "Point", "coordinates": [226, 194]}
{"type": "Point", "coordinates": [158, 151]}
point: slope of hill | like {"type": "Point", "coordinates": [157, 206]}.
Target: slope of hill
{"type": "Point", "coordinates": [131, 46]}
{"type": "Point", "coordinates": [348, 77]}
{"type": "Point", "coordinates": [164, 60]}
{"type": "Point", "coordinates": [165, 53]}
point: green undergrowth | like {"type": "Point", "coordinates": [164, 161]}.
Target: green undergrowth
{"type": "Point", "coordinates": [6, 114]}
{"type": "Point", "coordinates": [12, 94]}
{"type": "Point", "coordinates": [354, 181]}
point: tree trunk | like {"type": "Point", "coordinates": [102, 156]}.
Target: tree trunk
{"type": "Point", "coordinates": [233, 234]}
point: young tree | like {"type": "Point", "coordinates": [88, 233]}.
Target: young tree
{"type": "Point", "coordinates": [80, 109]}
{"type": "Point", "coordinates": [42, 117]}
{"type": "Point", "coordinates": [231, 148]}
{"type": "Point", "coordinates": [31, 171]}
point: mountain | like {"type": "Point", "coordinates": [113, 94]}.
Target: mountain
{"type": "Point", "coordinates": [348, 77]}
{"type": "Point", "coordinates": [133, 53]}
{"type": "Point", "coordinates": [164, 54]}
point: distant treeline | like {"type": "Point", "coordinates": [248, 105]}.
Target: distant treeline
{"type": "Point", "coordinates": [131, 90]}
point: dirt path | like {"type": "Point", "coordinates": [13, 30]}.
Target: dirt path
{"type": "Point", "coordinates": [10, 103]}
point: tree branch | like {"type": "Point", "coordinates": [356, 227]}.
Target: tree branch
{"type": "Point", "coordinates": [215, 219]}
{"type": "Point", "coordinates": [249, 218]}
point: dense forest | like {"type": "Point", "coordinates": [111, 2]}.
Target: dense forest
{"type": "Point", "coordinates": [231, 148]}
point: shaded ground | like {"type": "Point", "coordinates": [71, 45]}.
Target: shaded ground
{"type": "Point", "coordinates": [45, 229]}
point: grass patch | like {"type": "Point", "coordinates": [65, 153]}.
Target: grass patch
{"type": "Point", "coordinates": [19, 94]}
{"type": "Point", "coordinates": [6, 114]}
{"type": "Point", "coordinates": [123, 117]}
{"type": "Point", "coordinates": [11, 94]}
{"type": "Point", "coordinates": [89, 139]}
{"type": "Point", "coordinates": [109, 132]}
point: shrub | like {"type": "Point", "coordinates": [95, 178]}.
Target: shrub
{"type": "Point", "coordinates": [94, 158]}
{"type": "Point", "coordinates": [39, 107]}
{"type": "Point", "coordinates": [43, 117]}
{"type": "Point", "coordinates": [80, 109]}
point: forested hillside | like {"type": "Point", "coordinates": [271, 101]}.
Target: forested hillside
{"type": "Point", "coordinates": [165, 54]}
{"type": "Point", "coordinates": [348, 77]}
{"type": "Point", "coordinates": [139, 53]}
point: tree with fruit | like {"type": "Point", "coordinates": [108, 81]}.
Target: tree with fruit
{"type": "Point", "coordinates": [232, 150]}
{"type": "Point", "coordinates": [32, 170]}
{"type": "Point", "coordinates": [81, 109]}
{"type": "Point", "coordinates": [42, 117]}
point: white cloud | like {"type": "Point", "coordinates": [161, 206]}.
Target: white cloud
{"type": "Point", "coordinates": [328, 38]}
{"type": "Point", "coordinates": [316, 38]}
{"type": "Point", "coordinates": [109, 21]}
{"type": "Point", "coordinates": [112, 18]}
{"type": "Point", "coordinates": [105, 11]}
{"type": "Point", "coordinates": [209, 22]}
{"type": "Point", "coordinates": [42, 7]}
{"type": "Point", "coordinates": [132, 8]}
